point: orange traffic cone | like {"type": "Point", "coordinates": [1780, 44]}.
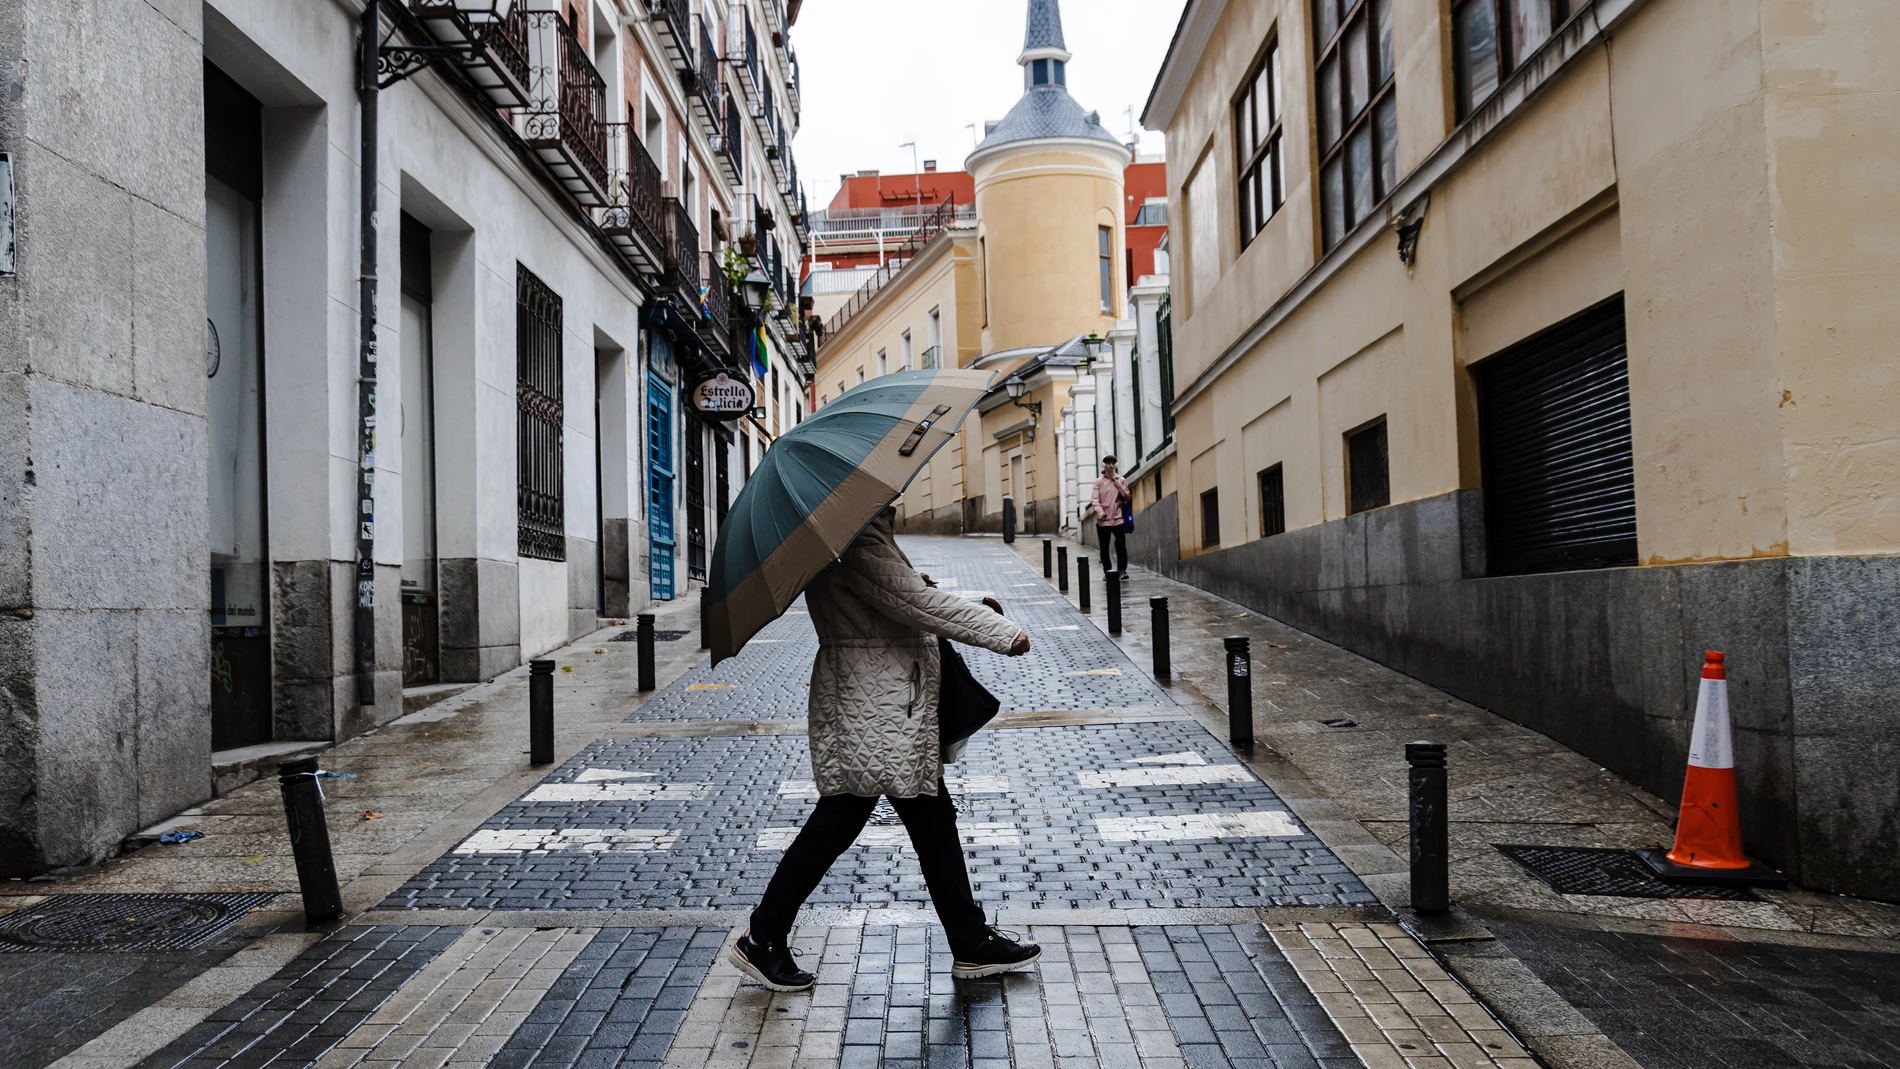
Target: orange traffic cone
{"type": "Point", "coordinates": [1709, 823]}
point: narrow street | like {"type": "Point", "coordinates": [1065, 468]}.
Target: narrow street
{"type": "Point", "coordinates": [1197, 906]}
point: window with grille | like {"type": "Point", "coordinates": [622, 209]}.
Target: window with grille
{"type": "Point", "coordinates": [1368, 485]}
{"type": "Point", "coordinates": [1492, 38]}
{"type": "Point", "coordinates": [1257, 143]}
{"type": "Point", "coordinates": [1210, 518]}
{"type": "Point", "coordinates": [538, 461]}
{"type": "Point", "coordinates": [1554, 438]}
{"type": "Point", "coordinates": [1272, 501]}
{"type": "Point", "coordinates": [1358, 111]}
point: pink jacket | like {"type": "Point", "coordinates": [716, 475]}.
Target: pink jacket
{"type": "Point", "coordinates": [1110, 492]}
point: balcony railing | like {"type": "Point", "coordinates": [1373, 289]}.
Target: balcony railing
{"type": "Point", "coordinates": [731, 145]}
{"type": "Point", "coordinates": [702, 83]}
{"type": "Point", "coordinates": [930, 358]}
{"type": "Point", "coordinates": [715, 308]}
{"type": "Point", "coordinates": [682, 253]}
{"type": "Point", "coordinates": [900, 257]}
{"type": "Point", "coordinates": [635, 216]}
{"type": "Point", "coordinates": [567, 100]}
{"type": "Point", "coordinates": [498, 62]}
{"type": "Point", "coordinates": [674, 21]}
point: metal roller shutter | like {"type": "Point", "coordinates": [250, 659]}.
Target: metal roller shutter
{"type": "Point", "coordinates": [1554, 431]}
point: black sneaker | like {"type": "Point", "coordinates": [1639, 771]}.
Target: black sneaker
{"type": "Point", "coordinates": [997, 953]}
{"type": "Point", "coordinates": [770, 964]}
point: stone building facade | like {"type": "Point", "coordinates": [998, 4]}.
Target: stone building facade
{"type": "Point", "coordinates": [1534, 348]}
{"type": "Point", "coordinates": [563, 214]}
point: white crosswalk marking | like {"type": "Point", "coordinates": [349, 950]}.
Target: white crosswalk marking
{"type": "Point", "coordinates": [1166, 777]}
{"type": "Point", "coordinates": [568, 841]}
{"type": "Point", "coordinates": [1067, 627]}
{"type": "Point", "coordinates": [886, 837]}
{"type": "Point", "coordinates": [1257, 825]}
{"type": "Point", "coordinates": [617, 792]}
{"type": "Point", "coordinates": [807, 791]}
{"type": "Point", "coordinates": [1185, 757]}
{"type": "Point", "coordinates": [602, 775]}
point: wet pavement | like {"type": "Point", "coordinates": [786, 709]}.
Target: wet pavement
{"type": "Point", "coordinates": [1198, 905]}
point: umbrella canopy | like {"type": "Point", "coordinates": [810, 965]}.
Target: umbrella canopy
{"type": "Point", "coordinates": [819, 485]}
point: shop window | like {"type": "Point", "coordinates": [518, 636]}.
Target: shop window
{"type": "Point", "coordinates": [1368, 483]}
{"type": "Point", "coordinates": [539, 467]}
{"type": "Point", "coordinates": [1357, 111]}
{"type": "Point", "coordinates": [1257, 141]}
{"type": "Point", "coordinates": [1272, 501]}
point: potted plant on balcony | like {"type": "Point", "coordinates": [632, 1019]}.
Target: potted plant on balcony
{"type": "Point", "coordinates": [733, 265]}
{"type": "Point", "coordinates": [749, 244]}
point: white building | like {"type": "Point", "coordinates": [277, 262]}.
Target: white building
{"type": "Point", "coordinates": [562, 187]}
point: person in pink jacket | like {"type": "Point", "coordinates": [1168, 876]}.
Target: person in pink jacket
{"type": "Point", "coordinates": [1112, 499]}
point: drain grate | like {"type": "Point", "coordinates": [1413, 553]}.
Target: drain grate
{"type": "Point", "coordinates": [1579, 870]}
{"type": "Point", "coordinates": [658, 636]}
{"type": "Point", "coordinates": [67, 923]}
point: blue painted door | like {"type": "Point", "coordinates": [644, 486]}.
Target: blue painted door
{"type": "Point", "coordinates": [660, 540]}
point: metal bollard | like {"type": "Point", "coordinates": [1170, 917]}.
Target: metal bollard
{"type": "Point", "coordinates": [643, 639]}
{"type": "Point", "coordinates": [1048, 552]}
{"type": "Point", "coordinates": [1239, 691]}
{"type": "Point", "coordinates": [541, 712]}
{"type": "Point", "coordinates": [1082, 583]}
{"type": "Point", "coordinates": [1062, 568]}
{"type": "Point", "coordinates": [310, 840]}
{"type": "Point", "coordinates": [1009, 520]}
{"type": "Point", "coordinates": [1431, 831]}
{"type": "Point", "coordinates": [1112, 594]}
{"type": "Point", "coordinates": [1158, 623]}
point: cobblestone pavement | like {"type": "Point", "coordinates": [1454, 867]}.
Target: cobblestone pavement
{"type": "Point", "coordinates": [1197, 906]}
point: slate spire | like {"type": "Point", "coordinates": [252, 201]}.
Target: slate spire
{"type": "Point", "coordinates": [1044, 28]}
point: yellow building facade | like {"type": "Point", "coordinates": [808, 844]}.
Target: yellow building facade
{"type": "Point", "coordinates": [1040, 266]}
{"type": "Point", "coordinates": [1535, 355]}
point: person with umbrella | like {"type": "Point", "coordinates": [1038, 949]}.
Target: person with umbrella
{"type": "Point", "coordinates": [874, 688]}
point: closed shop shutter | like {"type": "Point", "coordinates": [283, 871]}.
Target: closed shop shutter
{"type": "Point", "coordinates": [1554, 431]}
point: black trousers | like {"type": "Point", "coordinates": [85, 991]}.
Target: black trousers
{"type": "Point", "coordinates": [1121, 546]}
{"type": "Point", "coordinates": [834, 825]}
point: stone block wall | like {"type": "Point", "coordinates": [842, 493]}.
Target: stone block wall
{"type": "Point", "coordinates": [1608, 661]}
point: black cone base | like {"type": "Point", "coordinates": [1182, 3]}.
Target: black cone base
{"type": "Point", "coordinates": [1755, 875]}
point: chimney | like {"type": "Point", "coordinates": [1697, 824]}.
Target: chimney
{"type": "Point", "coordinates": [930, 166]}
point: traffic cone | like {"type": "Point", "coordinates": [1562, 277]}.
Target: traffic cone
{"type": "Point", "coordinates": [1709, 823]}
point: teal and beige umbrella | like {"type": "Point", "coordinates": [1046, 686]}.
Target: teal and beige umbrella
{"type": "Point", "coordinates": [819, 485]}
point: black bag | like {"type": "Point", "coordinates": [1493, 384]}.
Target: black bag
{"type": "Point", "coordinates": [963, 704]}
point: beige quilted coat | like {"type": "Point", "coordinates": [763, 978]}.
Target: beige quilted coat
{"type": "Point", "coordinates": [874, 688]}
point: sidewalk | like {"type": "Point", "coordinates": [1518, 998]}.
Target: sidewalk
{"type": "Point", "coordinates": [1786, 978]}
{"type": "Point", "coordinates": [1197, 907]}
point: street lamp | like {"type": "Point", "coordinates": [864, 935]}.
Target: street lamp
{"type": "Point", "coordinates": [754, 289]}
{"type": "Point", "coordinates": [1015, 387]}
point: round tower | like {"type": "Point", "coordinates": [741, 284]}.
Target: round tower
{"type": "Point", "coordinates": [1049, 206]}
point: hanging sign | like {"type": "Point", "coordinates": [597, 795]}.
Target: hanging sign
{"type": "Point", "coordinates": [723, 397]}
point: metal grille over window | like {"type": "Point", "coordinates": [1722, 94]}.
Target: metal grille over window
{"type": "Point", "coordinates": [1358, 111]}
{"type": "Point", "coordinates": [1368, 482]}
{"type": "Point", "coordinates": [1272, 501]}
{"type": "Point", "coordinates": [1554, 435]}
{"type": "Point", "coordinates": [1262, 157]}
{"type": "Point", "coordinates": [538, 459]}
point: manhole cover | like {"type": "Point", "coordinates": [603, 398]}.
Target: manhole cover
{"type": "Point", "coordinates": [124, 922]}
{"type": "Point", "coordinates": [658, 636]}
{"type": "Point", "coordinates": [1579, 870]}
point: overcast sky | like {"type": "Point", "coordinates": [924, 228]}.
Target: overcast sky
{"type": "Point", "coordinates": [877, 73]}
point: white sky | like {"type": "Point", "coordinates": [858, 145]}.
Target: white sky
{"type": "Point", "coordinates": [878, 73]}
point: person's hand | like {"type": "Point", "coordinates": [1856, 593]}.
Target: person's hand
{"type": "Point", "coordinates": [1021, 647]}
{"type": "Point", "coordinates": [993, 605]}
{"type": "Point", "coordinates": [925, 576]}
